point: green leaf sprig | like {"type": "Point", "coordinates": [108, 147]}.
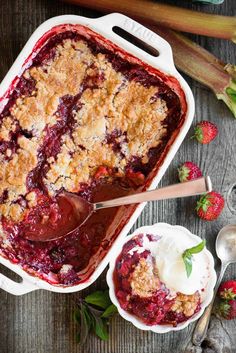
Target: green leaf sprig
{"type": "Point", "coordinates": [92, 315]}
{"type": "Point", "coordinates": [188, 254]}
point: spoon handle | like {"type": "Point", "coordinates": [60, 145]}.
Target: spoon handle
{"type": "Point", "coordinates": [201, 327]}
{"type": "Point", "coordinates": [190, 188]}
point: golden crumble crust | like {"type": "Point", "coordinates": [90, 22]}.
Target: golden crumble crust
{"type": "Point", "coordinates": [6, 127]}
{"type": "Point", "coordinates": [144, 280]}
{"type": "Point", "coordinates": [105, 109]}
{"type": "Point", "coordinates": [108, 103]}
{"type": "Point", "coordinates": [31, 197]}
{"type": "Point", "coordinates": [140, 114]}
{"type": "Point", "coordinates": [13, 174]}
{"type": "Point", "coordinates": [186, 304]}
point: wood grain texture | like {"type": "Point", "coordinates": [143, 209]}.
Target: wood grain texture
{"type": "Point", "coordinates": [42, 321]}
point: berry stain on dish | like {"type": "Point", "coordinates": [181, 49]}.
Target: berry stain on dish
{"type": "Point", "coordinates": [88, 118]}
{"type": "Point", "coordinates": [151, 281]}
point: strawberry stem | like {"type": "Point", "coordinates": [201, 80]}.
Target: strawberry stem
{"type": "Point", "coordinates": [198, 134]}
{"type": "Point", "coordinates": [204, 203]}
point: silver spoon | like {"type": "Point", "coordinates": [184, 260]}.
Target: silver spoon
{"type": "Point", "coordinates": [81, 209]}
{"type": "Point", "coordinates": [226, 251]}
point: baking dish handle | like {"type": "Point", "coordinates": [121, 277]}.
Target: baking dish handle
{"type": "Point", "coordinates": [16, 288]}
{"type": "Point", "coordinates": [165, 57]}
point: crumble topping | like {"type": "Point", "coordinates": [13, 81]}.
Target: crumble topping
{"type": "Point", "coordinates": [62, 76]}
{"type": "Point", "coordinates": [31, 197]}
{"type": "Point", "coordinates": [144, 282]}
{"type": "Point", "coordinates": [105, 109]}
{"type": "Point", "coordinates": [88, 118]}
{"type": "Point", "coordinates": [13, 174]}
{"type": "Point", "coordinates": [139, 113]}
{"type": "Point", "coordinates": [6, 127]}
{"type": "Point", "coordinates": [186, 304]}
{"type": "Point", "coordinates": [107, 103]}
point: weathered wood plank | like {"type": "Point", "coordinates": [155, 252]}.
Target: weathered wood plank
{"type": "Point", "coordinates": [41, 321]}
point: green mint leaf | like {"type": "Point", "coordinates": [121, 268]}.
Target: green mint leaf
{"type": "Point", "coordinates": [110, 311]}
{"type": "Point", "coordinates": [88, 317]}
{"type": "Point", "coordinates": [99, 325]}
{"type": "Point", "coordinates": [85, 324]}
{"type": "Point", "coordinates": [187, 256]}
{"type": "Point", "coordinates": [99, 298]}
{"type": "Point", "coordinates": [92, 313]}
{"type": "Point", "coordinates": [78, 337]}
{"type": "Point", "coordinates": [100, 329]}
{"type": "Point", "coordinates": [232, 93]}
{"type": "Point", "coordinates": [95, 312]}
{"type": "Point", "coordinates": [77, 316]}
{"type": "Point", "coordinates": [196, 249]}
{"type": "Point", "coordinates": [188, 264]}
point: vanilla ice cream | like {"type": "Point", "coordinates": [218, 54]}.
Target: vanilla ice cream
{"type": "Point", "coordinates": [167, 252]}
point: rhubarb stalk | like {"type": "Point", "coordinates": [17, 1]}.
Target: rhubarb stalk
{"type": "Point", "coordinates": [203, 66]}
{"type": "Point", "coordinates": [169, 16]}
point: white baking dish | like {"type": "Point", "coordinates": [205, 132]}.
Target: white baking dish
{"type": "Point", "coordinates": [164, 62]}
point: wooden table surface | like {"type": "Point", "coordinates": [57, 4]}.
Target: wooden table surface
{"type": "Point", "coordinates": [42, 321]}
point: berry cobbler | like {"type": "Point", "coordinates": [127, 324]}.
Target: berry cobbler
{"type": "Point", "coordinates": [88, 118]}
{"type": "Point", "coordinates": [151, 282]}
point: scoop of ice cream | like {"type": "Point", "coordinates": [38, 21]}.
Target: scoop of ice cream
{"type": "Point", "coordinates": [171, 268]}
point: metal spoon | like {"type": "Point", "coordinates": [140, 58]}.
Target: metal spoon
{"type": "Point", "coordinates": [81, 209]}
{"type": "Point", "coordinates": [226, 251]}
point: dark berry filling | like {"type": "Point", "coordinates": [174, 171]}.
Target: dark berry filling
{"type": "Point", "coordinates": [156, 308]}
{"type": "Point", "coordinates": [97, 234]}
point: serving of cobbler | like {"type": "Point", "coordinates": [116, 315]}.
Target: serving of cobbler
{"type": "Point", "coordinates": [85, 117]}
{"type": "Point", "coordinates": [140, 291]}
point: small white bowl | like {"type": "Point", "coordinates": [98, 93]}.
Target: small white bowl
{"type": "Point", "coordinates": [160, 228]}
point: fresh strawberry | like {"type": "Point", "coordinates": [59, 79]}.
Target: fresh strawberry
{"type": "Point", "coordinates": [189, 171]}
{"type": "Point", "coordinates": [227, 290]}
{"type": "Point", "coordinates": [210, 206]}
{"type": "Point", "coordinates": [227, 309]}
{"type": "Point", "coordinates": [205, 132]}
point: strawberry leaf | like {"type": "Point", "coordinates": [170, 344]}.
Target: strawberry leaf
{"type": "Point", "coordinates": [187, 256]}
{"type": "Point", "coordinates": [223, 309]}
{"type": "Point", "coordinates": [204, 203]}
{"type": "Point", "coordinates": [228, 294]}
{"type": "Point", "coordinates": [198, 134]}
{"type": "Point", "coordinates": [183, 173]}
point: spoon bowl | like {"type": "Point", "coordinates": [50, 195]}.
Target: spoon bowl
{"type": "Point", "coordinates": [226, 244]}
{"type": "Point", "coordinates": [75, 210]}
{"type": "Point", "coordinates": [226, 251]}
